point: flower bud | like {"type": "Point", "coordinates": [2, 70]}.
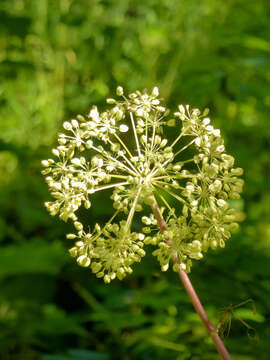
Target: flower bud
{"type": "Point", "coordinates": [55, 152]}
{"type": "Point", "coordinates": [71, 236]}
{"type": "Point", "coordinates": [73, 251]}
{"type": "Point", "coordinates": [119, 91]}
{"type": "Point", "coordinates": [110, 101]}
{"type": "Point", "coordinates": [45, 163]}
{"type": "Point", "coordinates": [83, 260]}
{"type": "Point", "coordinates": [67, 125]}
{"type": "Point", "coordinates": [155, 91]}
{"type": "Point", "coordinates": [237, 171]}
{"type": "Point", "coordinates": [123, 128]}
{"type": "Point", "coordinates": [74, 123]}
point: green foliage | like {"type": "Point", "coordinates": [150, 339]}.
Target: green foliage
{"type": "Point", "coordinates": [57, 58]}
{"type": "Point", "coordinates": [34, 256]}
{"type": "Point", "coordinates": [74, 354]}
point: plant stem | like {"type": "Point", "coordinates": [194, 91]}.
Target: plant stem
{"type": "Point", "coordinates": [193, 295]}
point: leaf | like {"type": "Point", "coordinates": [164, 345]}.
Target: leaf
{"type": "Point", "coordinates": [55, 357]}
{"type": "Point", "coordinates": [56, 321]}
{"type": "Point", "coordinates": [79, 354]}
{"type": "Point", "coordinates": [35, 256]}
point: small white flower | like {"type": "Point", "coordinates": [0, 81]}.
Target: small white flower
{"type": "Point", "coordinates": [123, 128]}
{"type": "Point", "coordinates": [94, 114]}
{"type": "Point", "coordinates": [155, 91]}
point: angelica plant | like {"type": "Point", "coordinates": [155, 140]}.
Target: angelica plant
{"type": "Point", "coordinates": [180, 190]}
{"type": "Point", "coordinates": [150, 170]}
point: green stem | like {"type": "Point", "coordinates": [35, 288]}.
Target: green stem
{"type": "Point", "coordinates": [133, 208]}
{"type": "Point", "coordinates": [135, 134]}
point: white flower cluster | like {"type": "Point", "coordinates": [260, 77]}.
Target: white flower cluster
{"type": "Point", "coordinates": [125, 151]}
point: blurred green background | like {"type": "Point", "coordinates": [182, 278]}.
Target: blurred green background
{"type": "Point", "coordinates": [59, 57]}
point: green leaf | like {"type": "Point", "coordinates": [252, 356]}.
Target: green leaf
{"type": "Point", "coordinates": [79, 354]}
{"type": "Point", "coordinates": [56, 357]}
{"type": "Point", "coordinates": [35, 256]}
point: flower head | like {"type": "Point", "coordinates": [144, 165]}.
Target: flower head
{"type": "Point", "coordinates": [192, 178]}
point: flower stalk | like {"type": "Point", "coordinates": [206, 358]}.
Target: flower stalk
{"type": "Point", "coordinates": [193, 295]}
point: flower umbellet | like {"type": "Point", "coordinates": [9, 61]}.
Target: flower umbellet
{"type": "Point", "coordinates": [192, 178]}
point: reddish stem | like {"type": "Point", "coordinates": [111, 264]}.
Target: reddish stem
{"type": "Point", "coordinates": [193, 295]}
